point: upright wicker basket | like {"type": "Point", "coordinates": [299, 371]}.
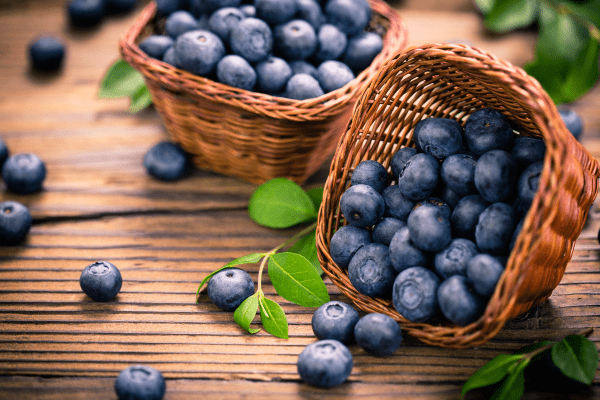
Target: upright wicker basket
{"type": "Point", "coordinates": [452, 81]}
{"type": "Point", "coordinates": [246, 134]}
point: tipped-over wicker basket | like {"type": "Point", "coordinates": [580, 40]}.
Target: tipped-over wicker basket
{"type": "Point", "coordinates": [251, 135]}
{"type": "Point", "coordinates": [452, 81]}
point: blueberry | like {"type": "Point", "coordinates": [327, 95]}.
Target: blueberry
{"type": "Point", "coordinates": [378, 334]}
{"type": "Point", "coordinates": [228, 288]}
{"type": "Point", "coordinates": [252, 39]}
{"type": "Point", "coordinates": [404, 254]}
{"type": "Point", "coordinates": [166, 7]}
{"type": "Point", "coordinates": [295, 40]}
{"type": "Point", "coordinates": [224, 20]}
{"type": "Point", "coordinates": [209, 6]}
{"type": "Point", "coordinates": [457, 301]}
{"type": "Point", "coordinates": [453, 260]}
{"type": "Point", "coordinates": [180, 22]}
{"type": "Point", "coordinates": [165, 161]}
{"type": "Point", "coordinates": [465, 215]}
{"type": "Point", "coordinates": [527, 150]}
{"type": "Point", "coordinates": [372, 173]}
{"type": "Point", "coordinates": [15, 222]}
{"type": "Point", "coordinates": [435, 202]}
{"type": "Point", "coordinates": [396, 204]}
{"type": "Point", "coordinates": [333, 74]}
{"type": "Point", "coordinates": [249, 10]}
{"type": "Point", "coordinates": [350, 16]}
{"type": "Point", "coordinates": [484, 271]}
{"type": "Point", "coordinates": [140, 382]}
{"type": "Point", "coordinates": [572, 122]}
{"type": "Point", "coordinates": [495, 228]}
{"type": "Point", "coordinates": [310, 11]}
{"type": "Point", "coordinates": [335, 320]}
{"type": "Point", "coordinates": [101, 281]}
{"type": "Point", "coordinates": [385, 230]}
{"type": "Point", "coordinates": [515, 234]}
{"type": "Point", "coordinates": [24, 173]}
{"type": "Point", "coordinates": [362, 50]}
{"type": "Point", "coordinates": [303, 67]}
{"type": "Point", "coordinates": [496, 175]}
{"type": "Point", "coordinates": [486, 130]}
{"type": "Point", "coordinates": [527, 185]}
{"type": "Point", "coordinates": [458, 173]}
{"type": "Point", "coordinates": [302, 87]}
{"type": "Point", "coordinates": [199, 51]}
{"type": "Point", "coordinates": [429, 228]}
{"type": "Point", "coordinates": [440, 137]}
{"type": "Point", "coordinates": [156, 45]}
{"type": "Point", "coordinates": [325, 363]}
{"type": "Point", "coordinates": [273, 75]}
{"type": "Point", "coordinates": [415, 294]}
{"type": "Point", "coordinates": [275, 12]}
{"type": "Point", "coordinates": [371, 272]}
{"type": "Point", "coordinates": [3, 153]}
{"type": "Point", "coordinates": [46, 53]}
{"type": "Point", "coordinates": [235, 71]}
{"type": "Point", "coordinates": [331, 43]}
{"type": "Point", "coordinates": [400, 158]}
{"type": "Point", "coordinates": [419, 177]}
{"type": "Point", "coordinates": [169, 56]}
{"type": "Point", "coordinates": [447, 195]}
{"type": "Point", "coordinates": [362, 205]}
{"type": "Point", "coordinates": [85, 13]}
{"type": "Point", "coordinates": [346, 241]}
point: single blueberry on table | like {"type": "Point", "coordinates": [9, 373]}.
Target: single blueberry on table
{"type": "Point", "coordinates": [156, 45]}
{"type": "Point", "coordinates": [495, 228]}
{"type": "Point", "coordinates": [457, 301]}
{"type": "Point", "coordinates": [252, 39]}
{"type": "Point", "coordinates": [101, 281]}
{"type": "Point", "coordinates": [496, 176]}
{"type": "Point", "coordinates": [335, 320]}
{"type": "Point", "coordinates": [453, 260]}
{"type": "Point", "coordinates": [303, 67]}
{"type": "Point", "coordinates": [528, 150]}
{"type": "Point", "coordinates": [272, 75]}
{"type": "Point", "coordinates": [400, 158]}
{"type": "Point", "coordinates": [372, 173]}
{"type": "Point", "coordinates": [24, 173]}
{"type": "Point", "coordinates": [331, 43]}
{"type": "Point", "coordinates": [385, 230]}
{"type": "Point", "coordinates": [15, 222]}
{"type": "Point", "coordinates": [180, 22]}
{"type": "Point", "coordinates": [527, 185]}
{"type": "Point", "coordinates": [229, 288]}
{"type": "Point", "coordinates": [378, 334]}
{"type": "Point", "coordinates": [484, 271]}
{"type": "Point", "coordinates": [371, 271]}
{"type": "Point", "coordinates": [362, 205]}
{"type": "Point", "coordinates": [46, 53]}
{"type": "Point", "coordinates": [295, 40]}
{"type": "Point", "coordinates": [224, 20]}
{"type": "Point", "coordinates": [199, 51]}
{"type": "Point", "coordinates": [465, 215]}
{"type": "Point", "coordinates": [165, 161]}
{"type": "Point", "coordinates": [333, 74]}
{"type": "Point", "coordinates": [275, 12]}
{"type": "Point", "coordinates": [440, 137]}
{"type": "Point", "coordinates": [458, 173]}
{"type": "Point", "coordinates": [140, 382]}
{"type": "Point", "coordinates": [325, 363]}
{"type": "Point", "coordinates": [235, 71]}
{"type": "Point", "coordinates": [420, 176]}
{"type": "Point", "coordinates": [86, 13]}
{"type": "Point", "coordinates": [572, 121]}
{"type": "Point", "coordinates": [429, 228]}
{"type": "Point", "coordinates": [396, 205]}
{"type": "Point", "coordinates": [404, 254]}
{"type": "Point", "coordinates": [310, 11]}
{"type": "Point", "coordinates": [362, 50]}
{"type": "Point", "coordinates": [303, 86]}
{"type": "Point", "coordinates": [486, 130]}
{"type": "Point", "coordinates": [415, 294]}
{"type": "Point", "coordinates": [350, 16]}
{"type": "Point", "coordinates": [346, 241]}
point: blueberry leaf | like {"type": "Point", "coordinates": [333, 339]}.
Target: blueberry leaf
{"type": "Point", "coordinates": [577, 358]}
{"type": "Point", "coordinates": [246, 312]}
{"type": "Point", "coordinates": [140, 100]}
{"type": "Point", "coordinates": [316, 195]}
{"type": "Point", "coordinates": [507, 15]}
{"type": "Point", "coordinates": [296, 280]}
{"type": "Point", "coordinates": [485, 6]}
{"type": "Point", "coordinates": [121, 80]}
{"type": "Point", "coordinates": [513, 385]}
{"type": "Point", "coordinates": [273, 318]}
{"type": "Point", "coordinates": [582, 76]}
{"type": "Point", "coordinates": [281, 203]}
{"type": "Point", "coordinates": [307, 246]}
{"type": "Point", "coordinates": [492, 372]}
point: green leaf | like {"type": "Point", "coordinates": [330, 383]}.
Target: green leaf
{"type": "Point", "coordinates": [582, 76]}
{"type": "Point", "coordinates": [246, 312]}
{"type": "Point", "coordinates": [121, 80]}
{"type": "Point", "coordinates": [507, 15]}
{"type": "Point", "coordinates": [296, 280]}
{"type": "Point", "coordinates": [513, 386]}
{"type": "Point", "coordinates": [273, 318]}
{"type": "Point", "coordinates": [485, 6]}
{"type": "Point", "coordinates": [281, 203]}
{"type": "Point", "coordinates": [140, 100]}
{"type": "Point", "coordinates": [492, 372]}
{"type": "Point", "coordinates": [577, 358]}
{"type": "Point", "coordinates": [316, 195]}
{"type": "Point", "coordinates": [307, 246]}
{"type": "Point", "coordinates": [247, 259]}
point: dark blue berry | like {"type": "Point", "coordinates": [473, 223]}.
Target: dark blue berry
{"type": "Point", "coordinates": [295, 40]}
{"type": "Point", "coordinates": [46, 53]}
{"type": "Point", "coordinates": [420, 176]}
{"type": "Point", "coordinates": [224, 20]}
{"type": "Point", "coordinates": [249, 10]}
{"type": "Point", "coordinates": [415, 294]}
{"type": "Point", "coordinates": [235, 71]}
{"type": "Point", "coordinates": [310, 11]}
{"type": "Point", "coordinates": [350, 16]}
{"type": "Point", "coordinates": [495, 228]}
{"type": "Point", "coordinates": [335, 320]}
{"type": "Point", "coordinates": [527, 185]}
{"type": "Point", "coordinates": [496, 176]}
{"type": "Point", "coordinates": [199, 7]}
{"type": "Point", "coordinates": [275, 12]}
{"type": "Point", "coordinates": [396, 205]}
{"type": "Point", "coordinates": [15, 222]}
{"type": "Point", "coordinates": [140, 382]}
{"type": "Point", "coordinates": [371, 271]}
{"type": "Point", "coordinates": [362, 205]}
{"type": "Point", "coordinates": [273, 75]}
{"type": "Point", "coordinates": [166, 7]}
{"type": "Point", "coordinates": [302, 87]}
{"type": "Point", "coordinates": [180, 22]}
{"type": "Point", "coordinates": [385, 230]}
{"type": "Point", "coordinates": [429, 228]}
{"type": "Point", "coordinates": [3, 153]}
{"type": "Point", "coordinates": [86, 13]}
{"type": "Point", "coordinates": [333, 74]}
{"type": "Point", "coordinates": [372, 173]}
{"type": "Point", "coordinates": [400, 158]}
{"type": "Point", "coordinates": [484, 271]}
{"type": "Point", "coordinates": [447, 195]}
{"type": "Point", "coordinates": [572, 121]}
{"type": "Point", "coordinates": [303, 67]}
{"type": "Point", "coordinates": [453, 260]}
{"type": "Point", "coordinates": [465, 215]}
{"type": "Point", "coordinates": [156, 45]}
{"type": "Point", "coordinates": [199, 51]}
{"type": "Point", "coordinates": [252, 39]}
{"type": "Point", "coordinates": [325, 363]}
{"type": "Point", "coordinates": [165, 161]}
{"type": "Point", "coordinates": [346, 241]}
{"type": "Point", "coordinates": [528, 150]}
{"type": "Point", "coordinates": [457, 301]}
{"type": "Point", "coordinates": [362, 50]}
{"type": "Point", "coordinates": [440, 137]}
{"type": "Point", "coordinates": [458, 173]}
{"type": "Point", "coordinates": [101, 281]}
{"type": "Point", "coordinates": [228, 288]}
{"type": "Point", "coordinates": [24, 173]}
{"type": "Point", "coordinates": [486, 130]}
{"type": "Point", "coordinates": [404, 254]}
{"type": "Point", "coordinates": [169, 56]}
{"type": "Point", "coordinates": [331, 43]}
{"type": "Point", "coordinates": [435, 202]}
{"type": "Point", "coordinates": [378, 334]}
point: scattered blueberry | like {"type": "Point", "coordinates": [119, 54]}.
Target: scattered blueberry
{"type": "Point", "coordinates": [235, 71]}
{"type": "Point", "coordinates": [362, 205]}
{"type": "Point", "coordinates": [156, 45]}
{"type": "Point", "coordinates": [346, 241]}
{"type": "Point", "coordinates": [24, 173]}
{"type": "Point", "coordinates": [165, 161]}
{"type": "Point", "coordinates": [484, 271]}
{"type": "Point", "coordinates": [199, 51]}
{"type": "Point", "coordinates": [440, 137]}
{"type": "Point", "coordinates": [46, 53]}
{"type": "Point", "coordinates": [415, 294]}
{"type": "Point", "coordinates": [273, 75]}
{"type": "Point", "coordinates": [429, 228]}
{"type": "Point", "coordinates": [378, 334]}
{"type": "Point", "coordinates": [15, 222]}
{"type": "Point", "coordinates": [371, 271]}
{"type": "Point", "coordinates": [420, 176]}
{"type": "Point", "coordinates": [457, 301]}
{"type": "Point", "coordinates": [404, 254]}
{"type": "Point", "coordinates": [486, 130]}
{"type": "Point", "coordinates": [86, 13]}
{"type": "Point", "coordinates": [228, 288]}
{"type": "Point", "coordinates": [362, 50]}
{"type": "Point", "coordinates": [101, 281]}
{"type": "Point", "coordinates": [325, 363]}
{"type": "Point", "coordinates": [3, 153]}
{"type": "Point", "coordinates": [252, 39]}
{"type": "Point", "coordinates": [372, 173]}
{"type": "Point", "coordinates": [335, 320]}
{"type": "Point", "coordinates": [572, 122]}
{"type": "Point", "coordinates": [140, 382]}
{"type": "Point", "coordinates": [180, 22]}
{"type": "Point", "coordinates": [333, 74]}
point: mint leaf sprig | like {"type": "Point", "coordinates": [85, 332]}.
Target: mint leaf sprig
{"type": "Point", "coordinates": [121, 80]}
{"type": "Point", "coordinates": [576, 357]}
{"type": "Point", "coordinates": [296, 273]}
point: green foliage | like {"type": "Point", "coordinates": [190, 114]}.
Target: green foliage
{"type": "Point", "coordinates": [568, 44]}
{"type": "Point", "coordinates": [121, 80]}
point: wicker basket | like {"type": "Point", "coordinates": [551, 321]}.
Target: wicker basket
{"type": "Point", "coordinates": [246, 134]}
{"type": "Point", "coordinates": [452, 81]}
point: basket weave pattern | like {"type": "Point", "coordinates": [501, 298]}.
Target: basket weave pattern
{"type": "Point", "coordinates": [251, 135]}
{"type": "Point", "coordinates": [452, 81]}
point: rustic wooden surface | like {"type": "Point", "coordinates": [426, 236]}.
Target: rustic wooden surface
{"type": "Point", "coordinates": [99, 203]}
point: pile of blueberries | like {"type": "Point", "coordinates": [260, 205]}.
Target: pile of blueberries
{"type": "Point", "coordinates": [297, 49]}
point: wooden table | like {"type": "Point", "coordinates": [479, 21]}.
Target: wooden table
{"type": "Point", "coordinates": [98, 203]}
